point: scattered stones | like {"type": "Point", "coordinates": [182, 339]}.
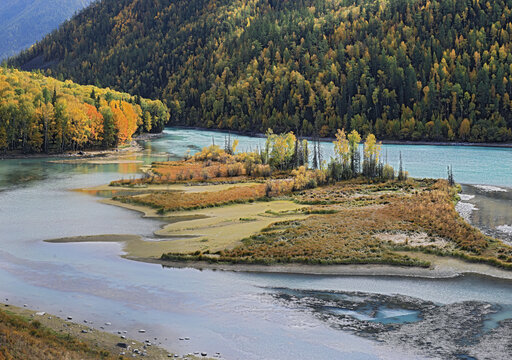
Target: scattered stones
{"type": "Point", "coordinates": [40, 313]}
{"type": "Point", "coordinates": [122, 345]}
{"type": "Point", "coordinates": [70, 318]}
{"type": "Point", "coordinates": [142, 331]}
{"type": "Point", "coordinates": [108, 324]}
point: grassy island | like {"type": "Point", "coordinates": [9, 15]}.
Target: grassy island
{"type": "Point", "coordinates": [270, 206]}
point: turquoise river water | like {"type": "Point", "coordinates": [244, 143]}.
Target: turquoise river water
{"type": "Point", "coordinates": [233, 313]}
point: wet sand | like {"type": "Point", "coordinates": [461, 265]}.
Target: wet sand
{"type": "Point", "coordinates": [442, 267]}
{"type": "Point", "coordinates": [218, 228]}
{"type": "Point", "coordinates": [211, 229]}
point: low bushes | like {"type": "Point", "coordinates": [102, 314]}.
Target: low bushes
{"type": "Point", "coordinates": [343, 230]}
{"type": "Point", "coordinates": [174, 201]}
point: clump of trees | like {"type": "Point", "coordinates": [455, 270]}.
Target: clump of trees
{"type": "Point", "coordinates": [347, 162]}
{"type": "Point", "coordinates": [284, 155]}
{"type": "Point", "coordinates": [40, 114]}
{"type": "Point", "coordinates": [287, 152]}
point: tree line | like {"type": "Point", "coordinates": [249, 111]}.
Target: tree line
{"type": "Point", "coordinates": [41, 114]}
{"type": "Point", "coordinates": [434, 70]}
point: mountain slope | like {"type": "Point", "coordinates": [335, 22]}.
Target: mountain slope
{"type": "Point", "coordinates": [404, 69]}
{"type": "Point", "coordinates": [23, 22]}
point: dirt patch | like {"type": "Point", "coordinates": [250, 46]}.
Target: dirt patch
{"type": "Point", "coordinates": [412, 239]}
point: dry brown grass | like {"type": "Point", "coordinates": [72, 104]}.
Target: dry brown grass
{"type": "Point", "coordinates": [174, 201]}
{"type": "Point", "coordinates": [23, 340]}
{"type": "Point", "coordinates": [189, 171]}
{"type": "Point", "coordinates": [364, 211]}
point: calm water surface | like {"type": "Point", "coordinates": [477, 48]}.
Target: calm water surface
{"type": "Point", "coordinates": [233, 313]}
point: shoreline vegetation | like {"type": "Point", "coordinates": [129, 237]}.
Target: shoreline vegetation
{"type": "Point", "coordinates": [127, 147]}
{"type": "Point", "coordinates": [230, 210]}
{"type": "Point", "coordinates": [29, 334]}
{"type": "Point", "coordinates": [40, 114]}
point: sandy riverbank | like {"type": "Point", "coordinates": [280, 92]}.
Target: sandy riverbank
{"type": "Point", "coordinates": [219, 228]}
{"type": "Point", "coordinates": [442, 267]}
{"type": "Point", "coordinates": [84, 154]}
{"type": "Point", "coordinates": [209, 229]}
{"type": "Point", "coordinates": [79, 154]}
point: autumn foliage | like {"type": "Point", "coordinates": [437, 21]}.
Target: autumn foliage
{"type": "Point", "coordinates": [173, 201]}
{"type": "Point", "coordinates": [431, 70]}
{"type": "Point", "coordinates": [348, 218]}
{"type": "Point", "coordinates": [41, 114]}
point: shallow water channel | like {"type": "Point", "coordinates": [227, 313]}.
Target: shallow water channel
{"type": "Point", "coordinates": [240, 315]}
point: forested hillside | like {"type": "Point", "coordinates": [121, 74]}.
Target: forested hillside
{"type": "Point", "coordinates": [23, 22]}
{"type": "Point", "coordinates": [41, 114]}
{"type": "Point", "coordinates": [403, 69]}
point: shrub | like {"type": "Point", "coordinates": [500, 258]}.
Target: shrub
{"type": "Point", "coordinates": [388, 173]}
{"type": "Point", "coordinates": [261, 170]}
{"type": "Point", "coordinates": [205, 175]}
{"type": "Point", "coordinates": [235, 169]}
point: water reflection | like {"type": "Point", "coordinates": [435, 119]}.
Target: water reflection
{"type": "Point", "coordinates": [491, 210]}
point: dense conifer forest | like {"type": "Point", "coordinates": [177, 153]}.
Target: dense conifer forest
{"type": "Point", "coordinates": [434, 70]}
{"type": "Point", "coordinates": [41, 114]}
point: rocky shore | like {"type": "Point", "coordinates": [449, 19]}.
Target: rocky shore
{"type": "Point", "coordinates": [102, 335]}
{"type": "Point", "coordinates": [464, 330]}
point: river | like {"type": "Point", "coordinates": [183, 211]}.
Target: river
{"type": "Point", "coordinates": [240, 315]}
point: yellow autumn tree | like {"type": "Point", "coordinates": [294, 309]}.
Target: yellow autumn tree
{"type": "Point", "coordinates": [371, 156]}
{"type": "Point", "coordinates": [280, 149]}
{"type": "Point", "coordinates": [341, 147]}
{"type": "Point", "coordinates": [78, 124]}
{"type": "Point", "coordinates": [464, 129]}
